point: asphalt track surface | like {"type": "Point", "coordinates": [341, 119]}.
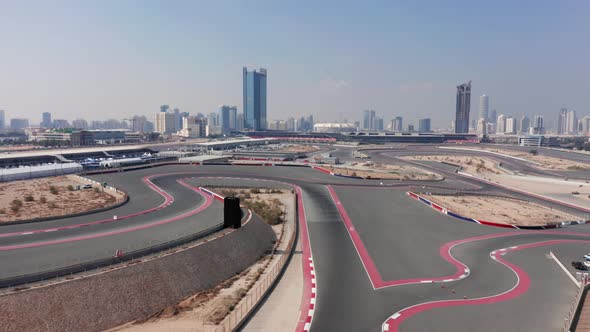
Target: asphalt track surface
{"type": "Point", "coordinates": [378, 254]}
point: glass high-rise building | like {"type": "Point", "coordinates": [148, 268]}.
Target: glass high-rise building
{"type": "Point", "coordinates": [254, 99]}
{"type": "Point", "coordinates": [424, 125]}
{"type": "Point", "coordinates": [463, 108]}
{"type": "Point", "coordinates": [398, 124]}
{"type": "Point", "coordinates": [46, 120]}
{"type": "Point", "coordinates": [227, 116]}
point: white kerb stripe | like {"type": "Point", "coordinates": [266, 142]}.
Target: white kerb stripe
{"type": "Point", "coordinates": [385, 327]}
{"type": "Point", "coordinates": [306, 326]}
{"type": "Point", "coordinates": [396, 315]}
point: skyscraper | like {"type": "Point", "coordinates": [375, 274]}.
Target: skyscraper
{"type": "Point", "coordinates": [463, 108]}
{"type": "Point", "coordinates": [571, 123]}
{"type": "Point", "coordinates": [424, 125]}
{"type": "Point", "coordinates": [484, 105]}
{"type": "Point", "coordinates": [233, 118]}
{"type": "Point", "coordinates": [511, 125]}
{"type": "Point", "coordinates": [19, 124]}
{"type": "Point", "coordinates": [525, 123]}
{"type": "Point", "coordinates": [378, 124]}
{"type": "Point", "coordinates": [227, 116]}
{"type": "Point", "coordinates": [164, 108]}
{"type": "Point", "coordinates": [46, 120]}
{"type": "Point", "coordinates": [562, 121]}
{"type": "Point", "coordinates": [586, 125]}
{"type": "Point", "coordinates": [493, 117]}
{"type": "Point", "coordinates": [538, 127]}
{"type": "Point", "coordinates": [501, 124]}
{"type": "Point", "coordinates": [164, 123]}
{"type": "Point", "coordinates": [254, 99]}
{"type": "Point", "coordinates": [223, 116]}
{"type": "Point", "coordinates": [398, 124]}
{"type": "Point", "coordinates": [368, 119]}
{"type": "Point", "coordinates": [2, 120]}
{"type": "Point", "coordinates": [482, 129]}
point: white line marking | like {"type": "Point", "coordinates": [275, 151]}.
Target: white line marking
{"type": "Point", "coordinates": [396, 315]}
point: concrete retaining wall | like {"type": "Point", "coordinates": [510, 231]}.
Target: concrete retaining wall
{"type": "Point", "coordinates": [119, 296]}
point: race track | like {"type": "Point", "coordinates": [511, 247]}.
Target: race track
{"type": "Point", "coordinates": [383, 261]}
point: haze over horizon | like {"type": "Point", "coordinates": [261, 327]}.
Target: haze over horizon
{"type": "Point", "coordinates": [331, 59]}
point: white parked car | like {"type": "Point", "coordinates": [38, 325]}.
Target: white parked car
{"type": "Point", "coordinates": [586, 264]}
{"type": "Point", "coordinates": [587, 257]}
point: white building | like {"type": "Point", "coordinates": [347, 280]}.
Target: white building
{"type": "Point", "coordinates": [484, 105]}
{"type": "Point", "coordinates": [571, 123]}
{"type": "Point", "coordinates": [586, 125]}
{"type": "Point", "coordinates": [511, 125]}
{"type": "Point", "coordinates": [192, 127]}
{"type": "Point", "coordinates": [333, 127]}
{"type": "Point", "coordinates": [501, 124]}
{"type": "Point", "coordinates": [164, 123]}
{"type": "Point", "coordinates": [482, 129]}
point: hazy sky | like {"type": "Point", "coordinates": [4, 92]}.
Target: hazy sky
{"type": "Point", "coordinates": [332, 59]}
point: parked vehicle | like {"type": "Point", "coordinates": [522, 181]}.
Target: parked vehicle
{"type": "Point", "coordinates": [87, 186]}
{"type": "Point", "coordinates": [579, 266]}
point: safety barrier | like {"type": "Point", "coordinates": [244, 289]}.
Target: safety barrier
{"type": "Point", "coordinates": [212, 194]}
{"type": "Point", "coordinates": [575, 310]}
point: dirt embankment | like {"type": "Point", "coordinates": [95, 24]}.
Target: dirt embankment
{"type": "Point", "coordinates": [544, 161]}
{"type": "Point", "coordinates": [512, 211]}
{"type": "Point", "coordinates": [52, 197]}
{"type": "Point", "coordinates": [212, 306]}
{"type": "Point", "coordinates": [472, 165]}
{"type": "Point", "coordinates": [298, 148]}
{"type": "Point", "coordinates": [383, 171]}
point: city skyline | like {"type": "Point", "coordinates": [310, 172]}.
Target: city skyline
{"type": "Point", "coordinates": [82, 61]}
